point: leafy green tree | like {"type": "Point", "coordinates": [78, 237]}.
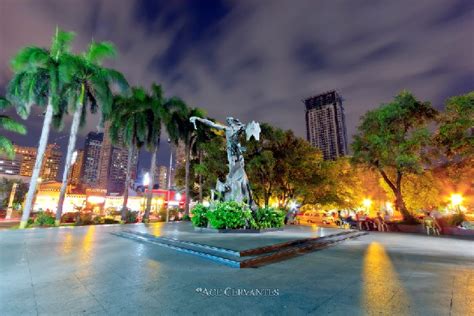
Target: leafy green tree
{"type": "Point", "coordinates": [420, 191]}
{"type": "Point", "coordinates": [5, 189]}
{"type": "Point", "coordinates": [281, 165]}
{"type": "Point", "coordinates": [8, 124]}
{"type": "Point", "coordinates": [342, 185]}
{"type": "Point", "coordinates": [261, 162]}
{"type": "Point", "coordinates": [88, 85]}
{"type": "Point", "coordinates": [37, 80]}
{"type": "Point", "coordinates": [391, 140]}
{"type": "Point", "coordinates": [455, 135]}
{"type": "Point", "coordinates": [298, 168]}
{"type": "Point", "coordinates": [128, 128]}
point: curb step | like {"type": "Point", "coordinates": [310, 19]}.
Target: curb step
{"type": "Point", "coordinates": [219, 259]}
{"type": "Point", "coordinates": [262, 255]}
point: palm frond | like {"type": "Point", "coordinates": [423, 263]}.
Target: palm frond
{"type": "Point", "coordinates": [11, 125]}
{"type": "Point", "coordinates": [61, 43]}
{"type": "Point", "coordinates": [29, 58]}
{"type": "Point", "coordinates": [6, 147]}
{"type": "Point", "coordinates": [4, 103]}
{"type": "Point", "coordinates": [100, 50]}
{"type": "Point", "coordinates": [117, 78]}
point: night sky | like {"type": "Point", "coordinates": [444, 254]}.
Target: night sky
{"type": "Point", "coordinates": [258, 59]}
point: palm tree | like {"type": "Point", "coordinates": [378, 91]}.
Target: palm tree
{"type": "Point", "coordinates": [128, 127]}
{"type": "Point", "coordinates": [37, 80]}
{"type": "Point", "coordinates": [182, 129]}
{"type": "Point", "coordinates": [8, 124]}
{"type": "Point", "coordinates": [161, 110]}
{"type": "Point", "coordinates": [89, 84]}
{"type": "Point", "coordinates": [157, 112]}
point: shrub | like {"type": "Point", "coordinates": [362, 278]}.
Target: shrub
{"type": "Point", "coordinates": [44, 219]}
{"type": "Point", "coordinates": [268, 217]}
{"type": "Point", "coordinates": [456, 219]}
{"type": "Point", "coordinates": [84, 219]}
{"type": "Point", "coordinates": [69, 217]}
{"type": "Point", "coordinates": [131, 217]}
{"type": "Point", "coordinates": [108, 220]}
{"type": "Point", "coordinates": [199, 218]}
{"type": "Point", "coordinates": [231, 215]}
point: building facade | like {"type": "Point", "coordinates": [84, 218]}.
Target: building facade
{"type": "Point", "coordinates": [113, 165]}
{"type": "Point", "coordinates": [90, 167]}
{"type": "Point", "coordinates": [76, 169]}
{"type": "Point", "coordinates": [325, 124]}
{"type": "Point", "coordinates": [51, 163]}
{"type": "Point", "coordinates": [24, 162]}
{"type": "Point", "coordinates": [162, 177]}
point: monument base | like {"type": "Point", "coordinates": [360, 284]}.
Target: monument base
{"type": "Point", "coordinates": [237, 231]}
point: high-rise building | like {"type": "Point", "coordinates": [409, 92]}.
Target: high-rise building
{"type": "Point", "coordinates": [27, 156]}
{"type": "Point", "coordinates": [51, 162]}
{"type": "Point", "coordinates": [24, 162]}
{"type": "Point", "coordinates": [113, 165]}
{"type": "Point", "coordinates": [325, 124]}
{"type": "Point", "coordinates": [10, 166]}
{"type": "Point", "coordinates": [76, 169]}
{"type": "Point", "coordinates": [162, 177]}
{"type": "Point", "coordinates": [90, 168]}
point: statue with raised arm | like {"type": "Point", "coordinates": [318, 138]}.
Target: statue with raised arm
{"type": "Point", "coordinates": [237, 187]}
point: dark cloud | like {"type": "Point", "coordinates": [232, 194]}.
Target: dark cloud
{"type": "Point", "coordinates": [258, 59]}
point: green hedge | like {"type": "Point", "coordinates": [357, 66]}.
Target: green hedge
{"type": "Point", "coordinates": [233, 215]}
{"type": "Point", "coordinates": [44, 219]}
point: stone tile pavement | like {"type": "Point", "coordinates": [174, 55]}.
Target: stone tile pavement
{"type": "Point", "coordinates": [86, 270]}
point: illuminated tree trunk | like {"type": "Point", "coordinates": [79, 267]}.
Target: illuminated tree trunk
{"type": "Point", "coordinates": [128, 177]}
{"type": "Point", "coordinates": [186, 180]}
{"type": "Point", "coordinates": [70, 150]}
{"type": "Point", "coordinates": [200, 177]}
{"type": "Point", "coordinates": [397, 191]}
{"type": "Point", "coordinates": [38, 163]}
{"type": "Point", "coordinates": [150, 185]}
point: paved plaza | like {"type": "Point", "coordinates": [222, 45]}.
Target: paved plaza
{"type": "Point", "coordinates": [87, 270]}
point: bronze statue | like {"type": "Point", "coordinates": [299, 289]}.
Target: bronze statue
{"type": "Point", "coordinates": [236, 187]}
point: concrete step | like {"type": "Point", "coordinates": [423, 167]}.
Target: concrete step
{"type": "Point", "coordinates": [256, 257]}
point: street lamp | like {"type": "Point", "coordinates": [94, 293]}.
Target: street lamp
{"type": "Point", "coordinates": [456, 201]}
{"type": "Point", "coordinates": [292, 205]}
{"type": "Point", "coordinates": [146, 179]}
{"type": "Point", "coordinates": [367, 203]}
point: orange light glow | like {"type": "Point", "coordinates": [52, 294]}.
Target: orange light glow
{"type": "Point", "coordinates": [96, 199]}
{"type": "Point", "coordinates": [456, 199]}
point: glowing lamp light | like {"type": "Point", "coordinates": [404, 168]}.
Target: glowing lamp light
{"type": "Point", "coordinates": [292, 205]}
{"type": "Point", "coordinates": [367, 203]}
{"type": "Point", "coordinates": [160, 201]}
{"type": "Point", "coordinates": [74, 157]}
{"type": "Point", "coordinates": [177, 196]}
{"type": "Point", "coordinates": [146, 179]}
{"type": "Point", "coordinates": [456, 199]}
{"type": "Point", "coordinates": [96, 199]}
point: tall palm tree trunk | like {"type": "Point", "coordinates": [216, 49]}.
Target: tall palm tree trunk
{"type": "Point", "coordinates": [150, 185]}
{"type": "Point", "coordinates": [200, 178]}
{"type": "Point", "coordinates": [38, 163]}
{"type": "Point", "coordinates": [186, 177]}
{"type": "Point", "coordinates": [127, 180]}
{"type": "Point", "coordinates": [70, 150]}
